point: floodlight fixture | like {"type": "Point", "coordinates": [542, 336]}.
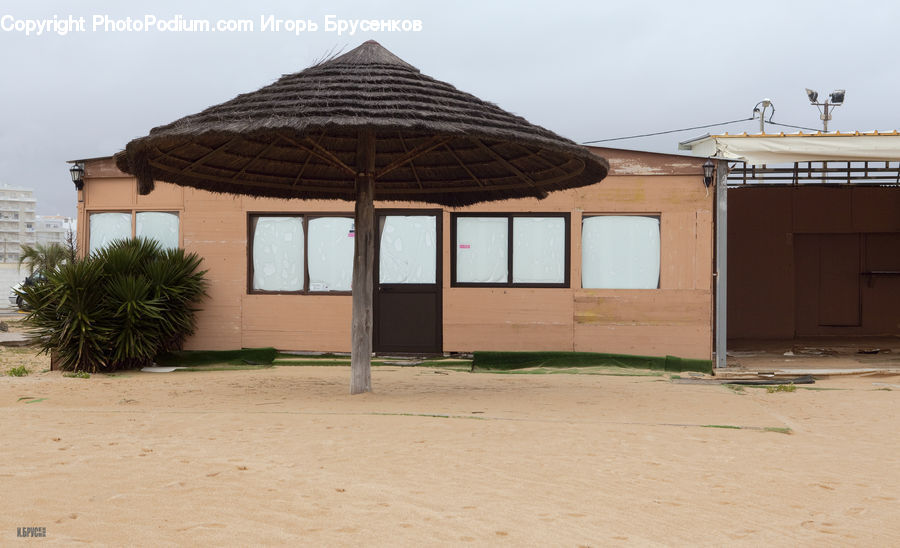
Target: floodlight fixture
{"type": "Point", "coordinates": [835, 99]}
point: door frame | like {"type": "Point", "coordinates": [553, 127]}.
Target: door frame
{"type": "Point", "coordinates": [809, 325]}
{"type": "Point", "coordinates": [438, 275]}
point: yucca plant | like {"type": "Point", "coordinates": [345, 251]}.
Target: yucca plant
{"type": "Point", "coordinates": [68, 315]}
{"type": "Point", "coordinates": [179, 284]}
{"type": "Point", "coordinates": [118, 308]}
{"type": "Point", "coordinates": [137, 316]}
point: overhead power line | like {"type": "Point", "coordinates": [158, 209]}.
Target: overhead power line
{"type": "Point", "coordinates": [795, 127]}
{"type": "Point", "coordinates": [696, 127]}
{"type": "Point", "coordinates": [669, 131]}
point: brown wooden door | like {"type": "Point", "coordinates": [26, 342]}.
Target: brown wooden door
{"type": "Point", "coordinates": [827, 268]}
{"type": "Point", "coordinates": [407, 304]}
{"type": "Point", "coordinates": [839, 304]}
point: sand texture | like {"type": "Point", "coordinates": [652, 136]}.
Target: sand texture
{"type": "Point", "coordinates": [284, 456]}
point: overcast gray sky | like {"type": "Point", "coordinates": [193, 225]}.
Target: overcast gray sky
{"type": "Point", "coordinates": [586, 70]}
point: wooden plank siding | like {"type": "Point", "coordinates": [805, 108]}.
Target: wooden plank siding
{"type": "Point", "coordinates": [786, 245]}
{"type": "Point", "coordinates": [674, 319]}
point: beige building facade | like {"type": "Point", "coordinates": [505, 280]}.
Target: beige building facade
{"type": "Point", "coordinates": [622, 266]}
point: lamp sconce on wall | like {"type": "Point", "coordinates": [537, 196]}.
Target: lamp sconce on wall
{"type": "Point", "coordinates": [77, 173]}
{"type": "Point", "coordinates": [708, 168]}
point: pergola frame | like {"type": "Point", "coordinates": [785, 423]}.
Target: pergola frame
{"type": "Point", "coordinates": [823, 172]}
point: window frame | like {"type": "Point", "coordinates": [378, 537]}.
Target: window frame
{"type": "Point", "coordinates": [567, 260]}
{"type": "Point", "coordinates": [305, 218]}
{"type": "Point", "coordinates": [133, 212]}
{"type": "Point", "coordinates": [177, 214]}
{"type": "Point", "coordinates": [656, 215]}
{"type": "Point", "coordinates": [438, 215]}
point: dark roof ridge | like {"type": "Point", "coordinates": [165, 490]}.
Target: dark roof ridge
{"type": "Point", "coordinates": [369, 52]}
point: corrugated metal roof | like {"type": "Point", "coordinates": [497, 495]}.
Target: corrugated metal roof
{"type": "Point", "coordinates": [816, 134]}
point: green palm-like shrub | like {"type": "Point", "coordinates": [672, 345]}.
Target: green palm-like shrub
{"type": "Point", "coordinates": [43, 258]}
{"type": "Point", "coordinates": [118, 308]}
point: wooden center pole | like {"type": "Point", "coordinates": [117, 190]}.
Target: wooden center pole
{"type": "Point", "coordinates": [363, 265]}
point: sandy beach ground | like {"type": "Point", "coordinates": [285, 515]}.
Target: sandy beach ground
{"type": "Point", "coordinates": [284, 456]}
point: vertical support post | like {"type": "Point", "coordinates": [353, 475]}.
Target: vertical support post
{"type": "Point", "coordinates": [721, 311]}
{"type": "Point", "coordinates": [363, 265]}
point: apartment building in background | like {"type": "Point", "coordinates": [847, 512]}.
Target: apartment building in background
{"type": "Point", "coordinates": [20, 225]}
{"type": "Point", "coordinates": [17, 221]}
{"type": "Point", "coordinates": [50, 229]}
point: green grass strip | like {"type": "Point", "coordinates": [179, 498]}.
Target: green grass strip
{"type": "Point", "coordinates": [455, 365]}
{"type": "Point", "coordinates": [225, 367]}
{"type": "Point", "coordinates": [776, 429]}
{"type": "Point", "coordinates": [314, 363]}
{"type": "Point", "coordinates": [767, 386]}
{"type": "Point", "coordinates": [428, 415]}
{"type": "Point", "coordinates": [325, 356]}
{"type": "Point", "coordinates": [193, 358]}
{"type": "Point", "coordinates": [598, 370]}
{"type": "Point", "coordinates": [523, 360]}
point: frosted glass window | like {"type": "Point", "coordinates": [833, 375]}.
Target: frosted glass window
{"type": "Point", "coordinates": [158, 225]}
{"type": "Point", "coordinates": [330, 253]}
{"type": "Point", "coordinates": [106, 227]}
{"type": "Point", "coordinates": [278, 254]}
{"type": "Point", "coordinates": [539, 250]}
{"type": "Point", "coordinates": [408, 249]}
{"type": "Point", "coordinates": [482, 249]}
{"type": "Point", "coordinates": [620, 252]}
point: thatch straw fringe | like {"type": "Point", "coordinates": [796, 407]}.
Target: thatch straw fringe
{"type": "Point", "coordinates": [296, 137]}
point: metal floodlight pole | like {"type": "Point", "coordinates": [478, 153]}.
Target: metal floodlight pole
{"type": "Point", "coordinates": [835, 99]}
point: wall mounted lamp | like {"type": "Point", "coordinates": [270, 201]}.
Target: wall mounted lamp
{"type": "Point", "coordinates": [77, 173]}
{"type": "Point", "coordinates": [708, 168]}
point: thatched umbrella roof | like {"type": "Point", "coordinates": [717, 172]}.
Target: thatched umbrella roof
{"type": "Point", "coordinates": [362, 126]}
{"type": "Point", "coordinates": [297, 138]}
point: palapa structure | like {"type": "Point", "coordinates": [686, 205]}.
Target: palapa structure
{"type": "Point", "coordinates": [363, 126]}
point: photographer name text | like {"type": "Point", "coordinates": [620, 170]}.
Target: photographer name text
{"type": "Point", "coordinates": [72, 24]}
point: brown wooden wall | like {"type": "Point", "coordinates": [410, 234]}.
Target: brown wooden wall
{"type": "Point", "coordinates": [798, 258]}
{"type": "Point", "coordinates": [674, 319]}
